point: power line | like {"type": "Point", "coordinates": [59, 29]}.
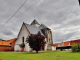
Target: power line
{"type": "Point", "coordinates": [28, 8]}
{"type": "Point", "coordinates": [13, 15]}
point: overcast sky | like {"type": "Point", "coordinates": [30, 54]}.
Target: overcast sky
{"type": "Point", "coordinates": [61, 16]}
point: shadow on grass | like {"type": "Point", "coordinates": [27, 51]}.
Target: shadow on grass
{"type": "Point", "coordinates": [33, 53]}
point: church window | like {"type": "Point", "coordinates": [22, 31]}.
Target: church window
{"type": "Point", "coordinates": [23, 39]}
{"type": "Point", "coordinates": [49, 40]}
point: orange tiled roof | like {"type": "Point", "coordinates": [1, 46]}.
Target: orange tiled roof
{"type": "Point", "coordinates": [7, 42]}
{"type": "Point", "coordinates": [56, 44]}
{"type": "Point", "coordinates": [75, 42]}
{"type": "Point", "coordinates": [68, 43]}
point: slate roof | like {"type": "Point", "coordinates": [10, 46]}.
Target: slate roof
{"type": "Point", "coordinates": [43, 31]}
{"type": "Point", "coordinates": [34, 22]}
{"type": "Point", "coordinates": [42, 26]}
{"type": "Point", "coordinates": [34, 30]}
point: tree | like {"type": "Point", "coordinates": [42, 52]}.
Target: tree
{"type": "Point", "coordinates": [36, 41]}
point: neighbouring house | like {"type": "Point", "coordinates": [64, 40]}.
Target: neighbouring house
{"type": "Point", "coordinates": [7, 45]}
{"type": "Point", "coordinates": [75, 42]}
{"type": "Point", "coordinates": [66, 45]}
{"type": "Point", "coordinates": [33, 28]}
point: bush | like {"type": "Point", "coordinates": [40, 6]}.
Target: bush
{"type": "Point", "coordinates": [76, 48]}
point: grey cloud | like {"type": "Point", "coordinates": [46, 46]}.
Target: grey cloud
{"type": "Point", "coordinates": [61, 16]}
{"type": "Point", "coordinates": [7, 32]}
{"type": "Point", "coordinates": [62, 37]}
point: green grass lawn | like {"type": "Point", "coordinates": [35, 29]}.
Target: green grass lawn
{"type": "Point", "coordinates": [46, 55]}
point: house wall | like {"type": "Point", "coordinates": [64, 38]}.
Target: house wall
{"type": "Point", "coordinates": [23, 33]}
{"type": "Point", "coordinates": [7, 48]}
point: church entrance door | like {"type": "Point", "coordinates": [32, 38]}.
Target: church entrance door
{"type": "Point", "coordinates": [23, 49]}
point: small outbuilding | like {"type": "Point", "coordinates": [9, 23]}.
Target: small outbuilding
{"type": "Point", "coordinates": [7, 45]}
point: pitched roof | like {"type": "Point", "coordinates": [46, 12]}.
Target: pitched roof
{"type": "Point", "coordinates": [42, 26]}
{"type": "Point", "coordinates": [75, 42]}
{"type": "Point", "coordinates": [56, 44]}
{"type": "Point", "coordinates": [33, 30]}
{"type": "Point", "coordinates": [7, 42]}
{"type": "Point", "coordinates": [34, 22]}
{"type": "Point", "coordinates": [67, 43]}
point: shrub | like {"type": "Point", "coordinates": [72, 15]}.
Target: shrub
{"type": "Point", "coordinates": [76, 48]}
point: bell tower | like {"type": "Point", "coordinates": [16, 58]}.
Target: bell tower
{"type": "Point", "coordinates": [35, 23]}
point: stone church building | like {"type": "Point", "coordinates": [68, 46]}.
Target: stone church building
{"type": "Point", "coordinates": [33, 28]}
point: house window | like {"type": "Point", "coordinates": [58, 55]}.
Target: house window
{"type": "Point", "coordinates": [23, 39]}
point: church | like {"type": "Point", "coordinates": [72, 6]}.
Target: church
{"type": "Point", "coordinates": [33, 28]}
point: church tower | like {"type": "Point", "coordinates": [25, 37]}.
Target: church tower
{"type": "Point", "coordinates": [35, 23]}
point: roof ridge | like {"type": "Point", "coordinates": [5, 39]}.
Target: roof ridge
{"type": "Point", "coordinates": [31, 25]}
{"type": "Point", "coordinates": [26, 23]}
{"type": "Point", "coordinates": [34, 21]}
{"type": "Point", "coordinates": [42, 25]}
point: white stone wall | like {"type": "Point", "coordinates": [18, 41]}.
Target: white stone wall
{"type": "Point", "coordinates": [36, 25]}
{"type": "Point", "coordinates": [23, 33]}
{"type": "Point", "coordinates": [27, 48]}
{"type": "Point", "coordinates": [49, 36]}
{"type": "Point", "coordinates": [53, 48]}
{"type": "Point", "coordinates": [17, 48]}
{"type": "Point", "coordinates": [46, 44]}
{"type": "Point", "coordinates": [45, 47]}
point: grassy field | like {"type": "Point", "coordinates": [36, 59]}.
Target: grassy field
{"type": "Point", "coordinates": [46, 55]}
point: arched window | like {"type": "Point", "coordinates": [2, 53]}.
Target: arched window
{"type": "Point", "coordinates": [23, 39]}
